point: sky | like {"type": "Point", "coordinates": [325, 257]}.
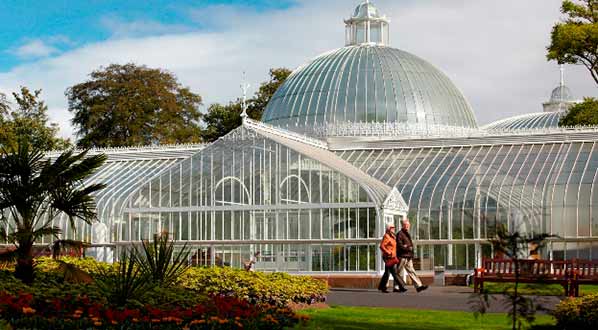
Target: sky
{"type": "Point", "coordinates": [494, 51]}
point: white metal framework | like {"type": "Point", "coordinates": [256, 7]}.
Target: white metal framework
{"type": "Point", "coordinates": [358, 138]}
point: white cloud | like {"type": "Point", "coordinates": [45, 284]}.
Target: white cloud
{"type": "Point", "coordinates": [120, 28]}
{"type": "Point", "coordinates": [493, 50]}
{"type": "Point", "coordinates": [35, 48]}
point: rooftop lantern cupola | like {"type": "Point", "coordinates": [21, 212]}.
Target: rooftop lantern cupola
{"type": "Point", "coordinates": [366, 26]}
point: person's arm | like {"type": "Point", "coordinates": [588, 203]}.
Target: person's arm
{"type": "Point", "coordinates": [406, 243]}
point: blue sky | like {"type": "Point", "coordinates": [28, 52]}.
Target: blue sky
{"type": "Point", "coordinates": [494, 51]}
{"type": "Point", "coordinates": [36, 28]}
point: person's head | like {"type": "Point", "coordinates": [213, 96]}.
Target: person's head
{"type": "Point", "coordinates": [390, 227]}
{"type": "Point", "coordinates": [405, 224]}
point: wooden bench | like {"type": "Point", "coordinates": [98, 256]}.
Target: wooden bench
{"type": "Point", "coordinates": [530, 271]}
{"type": "Point", "coordinates": [582, 272]}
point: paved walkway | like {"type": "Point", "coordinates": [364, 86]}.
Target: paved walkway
{"type": "Point", "coordinates": [450, 298]}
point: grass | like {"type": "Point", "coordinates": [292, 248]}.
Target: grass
{"type": "Point", "coordinates": [538, 289]}
{"type": "Point", "coordinates": [373, 318]}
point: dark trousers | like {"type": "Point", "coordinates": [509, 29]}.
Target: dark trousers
{"type": "Point", "coordinates": [387, 272]}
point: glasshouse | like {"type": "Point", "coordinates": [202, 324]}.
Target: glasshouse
{"type": "Point", "coordinates": [356, 138]}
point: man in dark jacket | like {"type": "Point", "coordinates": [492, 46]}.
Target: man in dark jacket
{"type": "Point", "coordinates": [405, 254]}
{"type": "Point", "coordinates": [388, 247]}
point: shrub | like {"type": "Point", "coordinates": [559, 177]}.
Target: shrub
{"type": "Point", "coordinates": [578, 313]}
{"type": "Point", "coordinates": [255, 287]}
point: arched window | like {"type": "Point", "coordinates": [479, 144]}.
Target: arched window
{"type": "Point", "coordinates": [294, 190]}
{"type": "Point", "coordinates": [231, 191]}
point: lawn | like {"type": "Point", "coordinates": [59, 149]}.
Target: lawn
{"type": "Point", "coordinates": [370, 318]}
{"type": "Point", "coordinates": [537, 289]}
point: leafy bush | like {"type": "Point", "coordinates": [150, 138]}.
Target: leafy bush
{"type": "Point", "coordinates": [255, 287]}
{"type": "Point", "coordinates": [578, 313]}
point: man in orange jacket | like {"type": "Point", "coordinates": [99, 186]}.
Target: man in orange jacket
{"type": "Point", "coordinates": [388, 246]}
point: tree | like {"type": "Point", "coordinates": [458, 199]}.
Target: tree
{"type": "Point", "coordinates": [29, 120]}
{"type": "Point", "coordinates": [4, 105]}
{"type": "Point", "coordinates": [513, 245]}
{"type": "Point", "coordinates": [221, 119]}
{"type": "Point", "coordinates": [34, 190]}
{"type": "Point", "coordinates": [127, 105]}
{"type": "Point", "coordinates": [582, 114]}
{"type": "Point", "coordinates": [258, 103]}
{"type": "Point", "coordinates": [575, 40]}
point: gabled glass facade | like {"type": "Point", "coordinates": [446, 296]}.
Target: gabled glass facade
{"type": "Point", "coordinates": [246, 193]}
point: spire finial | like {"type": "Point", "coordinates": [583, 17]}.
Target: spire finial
{"type": "Point", "coordinates": [244, 88]}
{"type": "Point", "coordinates": [562, 67]}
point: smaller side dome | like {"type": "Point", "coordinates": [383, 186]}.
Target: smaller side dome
{"type": "Point", "coordinates": [561, 94]}
{"type": "Point", "coordinates": [541, 120]}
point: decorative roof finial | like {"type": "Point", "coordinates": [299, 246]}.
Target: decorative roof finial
{"type": "Point", "coordinates": [244, 87]}
{"type": "Point", "coordinates": [366, 26]}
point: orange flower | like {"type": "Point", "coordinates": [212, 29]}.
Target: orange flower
{"type": "Point", "coordinates": [28, 310]}
{"type": "Point", "coordinates": [97, 323]}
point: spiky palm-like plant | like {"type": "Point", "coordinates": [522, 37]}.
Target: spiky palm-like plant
{"type": "Point", "coordinates": [34, 190]}
{"type": "Point", "coordinates": [160, 261]}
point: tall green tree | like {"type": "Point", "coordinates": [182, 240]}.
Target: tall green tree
{"type": "Point", "coordinates": [28, 119]}
{"type": "Point", "coordinates": [127, 105]}
{"type": "Point", "coordinates": [582, 114]}
{"type": "Point", "coordinates": [575, 40]}
{"type": "Point", "coordinates": [257, 104]}
{"type": "Point", "coordinates": [221, 119]}
{"type": "Point", "coordinates": [4, 105]}
{"type": "Point", "coordinates": [34, 190]}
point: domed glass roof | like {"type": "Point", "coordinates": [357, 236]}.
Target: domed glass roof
{"type": "Point", "coordinates": [368, 83]}
{"type": "Point", "coordinates": [527, 121]}
{"type": "Point", "coordinates": [561, 94]}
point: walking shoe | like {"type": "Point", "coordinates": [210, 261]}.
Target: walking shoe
{"type": "Point", "coordinates": [421, 288]}
{"type": "Point", "coordinates": [383, 290]}
{"type": "Point", "coordinates": [400, 290]}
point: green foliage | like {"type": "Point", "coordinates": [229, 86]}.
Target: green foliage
{"type": "Point", "coordinates": [257, 104]}
{"type": "Point", "coordinates": [575, 40]}
{"type": "Point", "coordinates": [35, 190]}
{"type": "Point", "coordinates": [221, 119]}
{"type": "Point", "coordinates": [578, 313]}
{"type": "Point", "coordinates": [584, 114]}
{"type": "Point", "coordinates": [255, 287]}
{"type": "Point", "coordinates": [160, 262]}
{"type": "Point", "coordinates": [128, 284]}
{"type": "Point", "coordinates": [128, 105]}
{"type": "Point", "coordinates": [29, 121]}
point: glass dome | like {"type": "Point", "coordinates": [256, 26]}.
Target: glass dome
{"type": "Point", "coordinates": [561, 94]}
{"type": "Point", "coordinates": [368, 83]}
{"type": "Point", "coordinates": [528, 121]}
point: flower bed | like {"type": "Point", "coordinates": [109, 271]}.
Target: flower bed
{"type": "Point", "coordinates": [201, 298]}
{"type": "Point", "coordinates": [25, 311]}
